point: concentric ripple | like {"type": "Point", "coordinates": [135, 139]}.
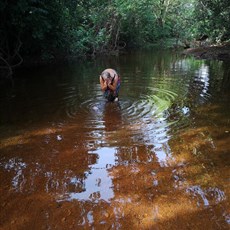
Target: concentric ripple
{"type": "Point", "coordinates": [149, 118]}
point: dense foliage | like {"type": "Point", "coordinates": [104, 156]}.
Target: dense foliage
{"type": "Point", "coordinates": [44, 30]}
{"type": "Point", "coordinates": [213, 18]}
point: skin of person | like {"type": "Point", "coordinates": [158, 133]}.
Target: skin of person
{"type": "Point", "coordinates": [110, 84]}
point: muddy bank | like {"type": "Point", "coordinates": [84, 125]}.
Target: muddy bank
{"type": "Point", "coordinates": [221, 52]}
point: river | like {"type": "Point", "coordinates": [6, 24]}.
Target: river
{"type": "Point", "coordinates": [157, 159]}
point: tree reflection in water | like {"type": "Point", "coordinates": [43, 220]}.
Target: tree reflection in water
{"type": "Point", "coordinates": [158, 159]}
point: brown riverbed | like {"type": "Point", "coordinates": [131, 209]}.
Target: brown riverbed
{"type": "Point", "coordinates": [158, 159]}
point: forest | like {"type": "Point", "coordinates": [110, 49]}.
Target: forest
{"type": "Point", "coordinates": [49, 30]}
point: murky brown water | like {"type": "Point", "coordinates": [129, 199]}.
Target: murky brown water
{"type": "Point", "coordinates": [158, 159]}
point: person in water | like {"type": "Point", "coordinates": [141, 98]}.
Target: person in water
{"type": "Point", "coordinates": [110, 84]}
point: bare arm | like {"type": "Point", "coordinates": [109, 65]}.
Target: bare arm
{"type": "Point", "coordinates": [103, 84]}
{"type": "Point", "coordinates": [113, 85]}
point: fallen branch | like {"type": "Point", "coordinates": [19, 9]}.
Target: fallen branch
{"type": "Point", "coordinates": [7, 66]}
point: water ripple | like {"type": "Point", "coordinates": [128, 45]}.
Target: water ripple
{"type": "Point", "coordinates": [153, 115]}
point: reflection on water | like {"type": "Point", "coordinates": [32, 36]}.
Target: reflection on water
{"type": "Point", "coordinates": [157, 159]}
{"type": "Point", "coordinates": [212, 193]}
{"type": "Point", "coordinates": [17, 166]}
{"type": "Point", "coordinates": [203, 75]}
{"type": "Point", "coordinates": [98, 184]}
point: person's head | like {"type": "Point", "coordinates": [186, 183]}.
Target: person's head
{"type": "Point", "coordinates": [106, 77]}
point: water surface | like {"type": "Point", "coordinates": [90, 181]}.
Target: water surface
{"type": "Point", "coordinates": [157, 159]}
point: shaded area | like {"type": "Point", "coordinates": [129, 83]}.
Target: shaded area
{"type": "Point", "coordinates": [158, 159]}
{"type": "Point", "coordinates": [218, 52]}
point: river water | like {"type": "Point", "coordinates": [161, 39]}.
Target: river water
{"type": "Point", "coordinates": [157, 159]}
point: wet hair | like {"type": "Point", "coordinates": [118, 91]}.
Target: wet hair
{"type": "Point", "coordinates": [105, 75]}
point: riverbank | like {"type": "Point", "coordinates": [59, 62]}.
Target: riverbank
{"type": "Point", "coordinates": [221, 52]}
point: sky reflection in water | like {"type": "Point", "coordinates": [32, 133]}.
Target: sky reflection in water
{"type": "Point", "coordinates": [166, 139]}
{"type": "Point", "coordinates": [98, 184]}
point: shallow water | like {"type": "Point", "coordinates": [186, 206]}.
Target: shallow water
{"type": "Point", "coordinates": [157, 159]}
